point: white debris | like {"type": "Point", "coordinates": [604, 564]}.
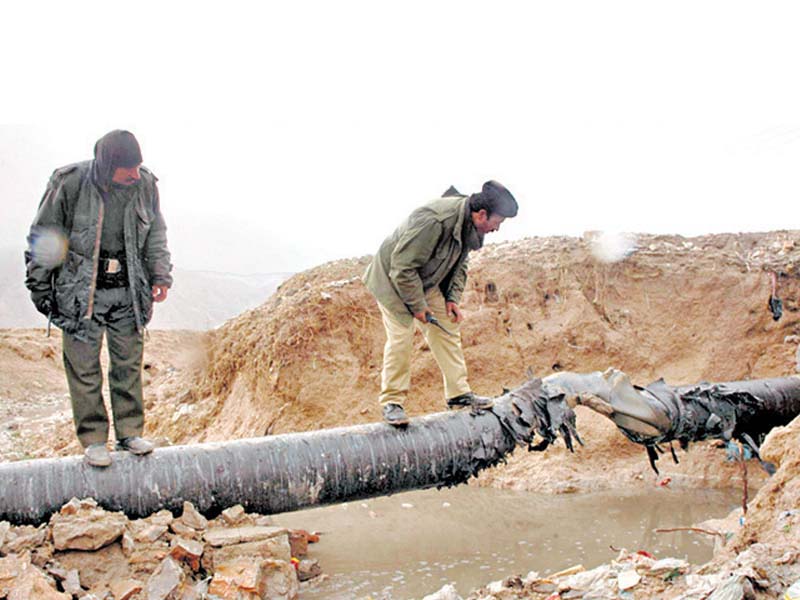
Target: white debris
{"type": "Point", "coordinates": [628, 579]}
{"type": "Point", "coordinates": [495, 587]}
{"type": "Point", "coordinates": [668, 565]}
{"type": "Point", "coordinates": [448, 592]}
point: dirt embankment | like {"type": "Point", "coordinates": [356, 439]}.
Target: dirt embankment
{"type": "Point", "coordinates": [686, 309]}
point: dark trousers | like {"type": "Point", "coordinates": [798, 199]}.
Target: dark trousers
{"type": "Point", "coordinates": [114, 316]}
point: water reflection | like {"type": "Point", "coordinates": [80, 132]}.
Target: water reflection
{"type": "Point", "coordinates": [410, 545]}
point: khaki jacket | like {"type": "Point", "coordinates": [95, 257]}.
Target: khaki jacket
{"type": "Point", "coordinates": [429, 249]}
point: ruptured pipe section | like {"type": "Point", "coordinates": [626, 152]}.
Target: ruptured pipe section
{"type": "Point", "coordinates": [289, 472]}
{"type": "Point", "coordinates": [659, 413]}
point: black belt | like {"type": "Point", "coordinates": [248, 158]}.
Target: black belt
{"type": "Point", "coordinates": [111, 273]}
{"type": "Point", "coordinates": [105, 283]}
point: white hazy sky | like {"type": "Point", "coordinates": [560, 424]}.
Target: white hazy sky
{"type": "Point", "coordinates": [288, 134]}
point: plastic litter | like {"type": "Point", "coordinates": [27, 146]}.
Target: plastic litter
{"type": "Point", "coordinates": [793, 593]}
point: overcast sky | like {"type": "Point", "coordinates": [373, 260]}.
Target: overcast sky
{"type": "Point", "coordinates": [288, 134]}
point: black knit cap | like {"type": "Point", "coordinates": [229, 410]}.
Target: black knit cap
{"type": "Point", "coordinates": [494, 197]}
{"type": "Point", "coordinates": [116, 149]}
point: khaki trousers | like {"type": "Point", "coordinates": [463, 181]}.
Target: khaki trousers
{"type": "Point", "coordinates": [114, 317]}
{"type": "Point", "coordinates": [446, 349]}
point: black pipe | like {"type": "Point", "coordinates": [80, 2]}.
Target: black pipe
{"type": "Point", "coordinates": [293, 471]}
{"type": "Point", "coordinates": [288, 472]}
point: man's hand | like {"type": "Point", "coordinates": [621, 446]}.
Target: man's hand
{"type": "Point", "coordinates": [160, 293]}
{"type": "Point", "coordinates": [456, 316]}
{"type": "Point", "coordinates": [422, 315]}
{"type": "Point", "coordinates": [43, 301]}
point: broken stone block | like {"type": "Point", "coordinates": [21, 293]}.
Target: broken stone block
{"type": "Point", "coordinates": [308, 569]}
{"type": "Point", "coordinates": [239, 579]}
{"type": "Point", "coordinates": [246, 579]}
{"type": "Point", "coordinates": [188, 551]}
{"type": "Point", "coordinates": [179, 528]}
{"type": "Point", "coordinates": [192, 518]}
{"type": "Point", "coordinates": [125, 588]}
{"type": "Point", "coordinates": [299, 539]}
{"type": "Point", "coordinates": [145, 559]}
{"type": "Point", "coordinates": [166, 581]}
{"type": "Point", "coordinates": [26, 537]}
{"type": "Point", "coordinates": [12, 567]}
{"type": "Point", "coordinates": [220, 536]}
{"type": "Point", "coordinates": [276, 548]}
{"type": "Point", "coordinates": [32, 584]}
{"type": "Point", "coordinates": [70, 508]}
{"type": "Point", "coordinates": [87, 529]}
{"type": "Point", "coordinates": [5, 527]}
{"type": "Point", "coordinates": [72, 583]}
{"type": "Point", "coordinates": [150, 533]}
{"type": "Point", "coordinates": [56, 571]}
{"type": "Point", "coordinates": [232, 515]}
{"type": "Point", "coordinates": [162, 517]}
{"type": "Point", "coordinates": [194, 590]}
{"type": "Point", "coordinates": [97, 568]}
{"type": "Point", "coordinates": [42, 555]}
{"type": "Point", "coordinates": [281, 580]}
{"type": "Point", "coordinates": [127, 543]}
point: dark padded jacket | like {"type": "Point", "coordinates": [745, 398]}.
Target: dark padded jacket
{"type": "Point", "coordinates": [73, 206]}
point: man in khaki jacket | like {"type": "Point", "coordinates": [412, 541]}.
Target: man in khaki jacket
{"type": "Point", "coordinates": [418, 276]}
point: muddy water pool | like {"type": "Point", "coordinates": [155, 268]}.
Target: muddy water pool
{"type": "Point", "coordinates": [411, 544]}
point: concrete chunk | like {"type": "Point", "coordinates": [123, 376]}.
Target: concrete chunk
{"type": "Point", "coordinates": [87, 528]}
{"type": "Point", "coordinates": [150, 533]}
{"type": "Point", "coordinates": [166, 581]}
{"type": "Point", "coordinates": [232, 515]}
{"type": "Point", "coordinates": [192, 518]}
{"type": "Point", "coordinates": [237, 535]}
{"type": "Point", "coordinates": [188, 551]}
{"type": "Point", "coordinates": [32, 584]}
{"type": "Point", "coordinates": [125, 589]}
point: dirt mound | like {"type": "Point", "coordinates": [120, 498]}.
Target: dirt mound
{"type": "Point", "coordinates": [686, 309]}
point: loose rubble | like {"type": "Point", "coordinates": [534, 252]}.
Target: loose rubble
{"type": "Point", "coordinates": [88, 553]}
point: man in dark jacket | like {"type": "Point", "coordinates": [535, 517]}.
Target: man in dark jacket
{"type": "Point", "coordinates": [97, 259]}
{"type": "Point", "coordinates": [418, 276]}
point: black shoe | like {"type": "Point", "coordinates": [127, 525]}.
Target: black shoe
{"type": "Point", "coordinates": [470, 400]}
{"type": "Point", "coordinates": [394, 414]}
{"type": "Point", "coordinates": [135, 445]}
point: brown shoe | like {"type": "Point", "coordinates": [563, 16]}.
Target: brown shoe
{"type": "Point", "coordinates": [97, 455]}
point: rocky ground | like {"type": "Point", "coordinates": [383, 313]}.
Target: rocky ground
{"type": "Point", "coordinates": [89, 553]}
{"type": "Point", "coordinates": [686, 309]}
